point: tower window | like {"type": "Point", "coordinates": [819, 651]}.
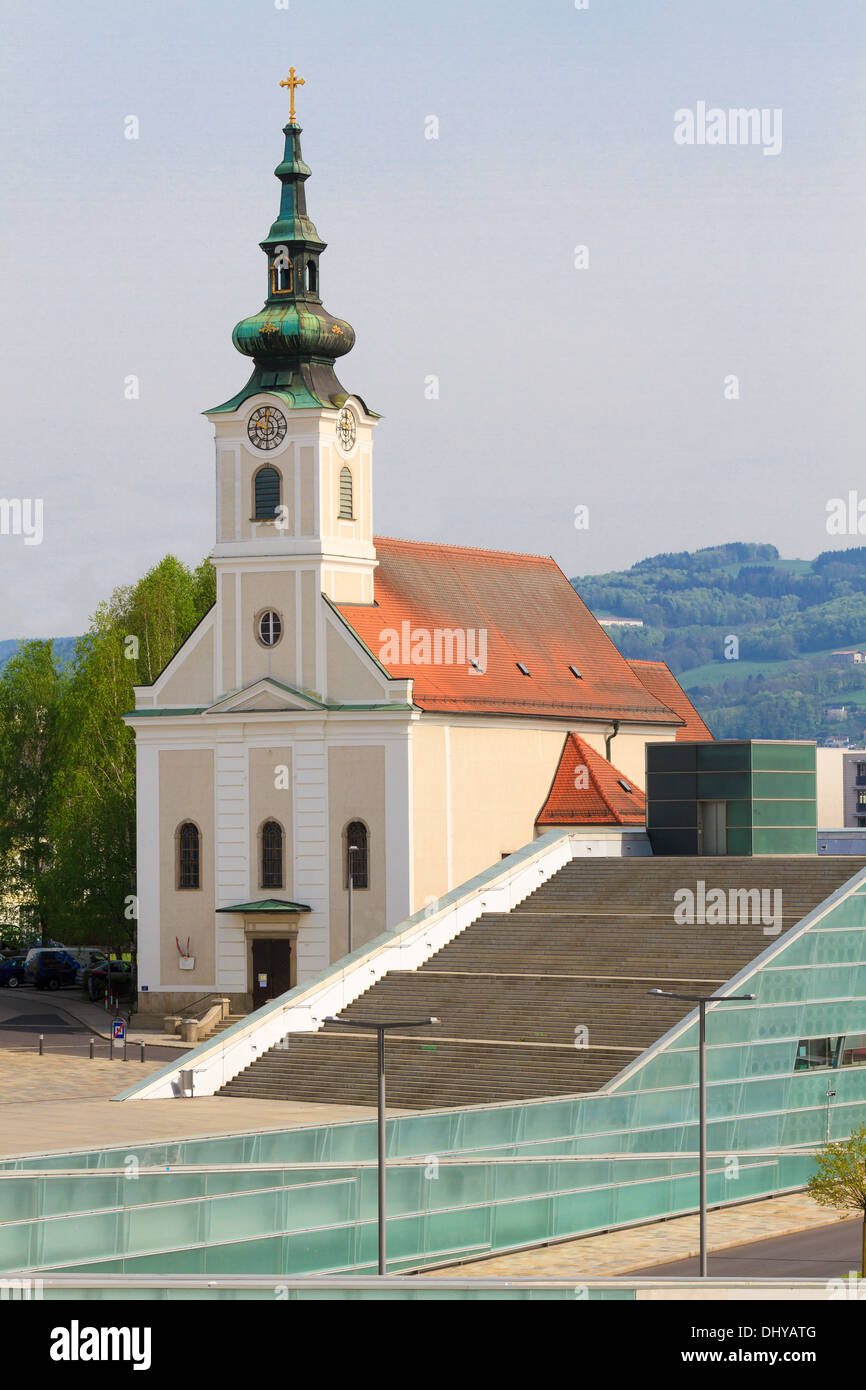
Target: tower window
{"type": "Point", "coordinates": [272, 855]}
{"type": "Point", "coordinates": [269, 628]}
{"type": "Point", "coordinates": [267, 494]}
{"type": "Point", "coordinates": [357, 856]}
{"type": "Point", "coordinates": [188, 856]}
{"type": "Point", "coordinates": [346, 501]}
{"type": "Point", "coordinates": [282, 279]}
{"type": "Point", "coordinates": [312, 277]}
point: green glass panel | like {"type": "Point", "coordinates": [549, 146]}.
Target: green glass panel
{"type": "Point", "coordinates": [671, 786]}
{"type": "Point", "coordinates": [783, 813]}
{"type": "Point", "coordinates": [723, 757]}
{"type": "Point", "coordinates": [851, 912]}
{"type": "Point", "coordinates": [738, 841]}
{"type": "Point", "coordinates": [791, 757]}
{"type": "Point", "coordinates": [676, 815]}
{"type": "Point", "coordinates": [20, 1198]}
{"type": "Point", "coordinates": [771, 841]}
{"type": "Point", "coordinates": [671, 757]}
{"type": "Point", "coordinates": [738, 814]}
{"type": "Point", "coordinates": [722, 786]}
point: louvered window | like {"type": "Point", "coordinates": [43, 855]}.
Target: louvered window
{"type": "Point", "coordinates": [267, 493]}
{"type": "Point", "coordinates": [346, 512]}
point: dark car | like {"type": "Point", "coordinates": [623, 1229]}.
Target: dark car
{"type": "Point", "coordinates": [12, 972]}
{"type": "Point", "coordinates": [121, 979]}
{"type": "Point", "coordinates": [51, 969]}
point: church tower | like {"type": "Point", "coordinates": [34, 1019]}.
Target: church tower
{"type": "Point", "coordinates": [294, 454]}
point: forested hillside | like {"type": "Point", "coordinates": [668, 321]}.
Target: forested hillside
{"type": "Point", "coordinates": [749, 634]}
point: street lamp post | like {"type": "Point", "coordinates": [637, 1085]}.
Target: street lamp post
{"type": "Point", "coordinates": [702, 1001]}
{"type": "Point", "coordinates": [352, 849]}
{"type": "Point", "coordinates": [380, 1029]}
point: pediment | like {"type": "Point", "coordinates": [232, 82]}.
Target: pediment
{"type": "Point", "coordinates": [265, 696]}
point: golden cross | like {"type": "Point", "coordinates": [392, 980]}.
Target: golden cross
{"type": "Point", "coordinates": [292, 82]}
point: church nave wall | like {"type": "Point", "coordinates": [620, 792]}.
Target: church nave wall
{"type": "Point", "coordinates": [186, 793]}
{"type": "Point", "coordinates": [356, 791]}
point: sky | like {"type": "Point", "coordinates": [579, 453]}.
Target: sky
{"type": "Point", "coordinates": [599, 379]}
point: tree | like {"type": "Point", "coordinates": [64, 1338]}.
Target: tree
{"type": "Point", "coordinates": [31, 694]}
{"type": "Point", "coordinates": [132, 638]}
{"type": "Point", "coordinates": [841, 1180]}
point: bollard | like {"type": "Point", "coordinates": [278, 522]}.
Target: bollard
{"type": "Point", "coordinates": [41, 1043]}
{"type": "Point", "coordinates": [92, 1044]}
{"type": "Point", "coordinates": [124, 1049]}
{"type": "Point", "coordinates": [142, 1053]}
{"type": "Point", "coordinates": [111, 1049]}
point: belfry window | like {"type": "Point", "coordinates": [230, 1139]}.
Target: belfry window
{"type": "Point", "coordinates": [312, 277]}
{"type": "Point", "coordinates": [346, 500]}
{"type": "Point", "coordinates": [269, 628]}
{"type": "Point", "coordinates": [267, 494]}
{"type": "Point", "coordinates": [281, 278]}
{"type": "Point", "coordinates": [188, 856]}
{"type": "Point", "coordinates": [357, 857]}
{"type": "Point", "coordinates": [272, 855]}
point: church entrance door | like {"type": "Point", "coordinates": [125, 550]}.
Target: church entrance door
{"type": "Point", "coordinates": [272, 968]}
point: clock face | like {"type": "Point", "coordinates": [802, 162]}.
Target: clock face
{"type": "Point", "coordinates": [346, 432]}
{"type": "Point", "coordinates": [267, 427]}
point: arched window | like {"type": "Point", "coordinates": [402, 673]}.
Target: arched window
{"type": "Point", "coordinates": [188, 856]}
{"type": "Point", "coordinates": [281, 278]}
{"type": "Point", "coordinates": [346, 512]}
{"type": "Point", "coordinates": [357, 854]}
{"type": "Point", "coordinates": [267, 494]}
{"type": "Point", "coordinates": [272, 855]}
{"type": "Point", "coordinates": [312, 277]}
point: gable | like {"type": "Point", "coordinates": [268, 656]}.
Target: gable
{"type": "Point", "coordinates": [660, 680]}
{"type": "Point", "coordinates": [588, 790]}
{"type": "Point", "coordinates": [188, 679]}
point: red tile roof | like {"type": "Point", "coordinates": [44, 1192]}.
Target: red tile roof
{"type": "Point", "coordinates": [660, 681]}
{"type": "Point", "coordinates": [587, 790]}
{"type": "Point", "coordinates": [529, 613]}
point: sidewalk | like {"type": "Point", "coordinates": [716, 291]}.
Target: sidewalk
{"type": "Point", "coordinates": [638, 1248]}
{"type": "Point", "coordinates": [95, 1017]}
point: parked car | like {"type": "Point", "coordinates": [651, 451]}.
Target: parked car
{"type": "Point", "coordinates": [95, 980]}
{"type": "Point", "coordinates": [12, 973]}
{"type": "Point", "coordinates": [51, 967]}
{"type": "Point", "coordinates": [88, 957]}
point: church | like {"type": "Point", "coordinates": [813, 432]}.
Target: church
{"type": "Point", "coordinates": [360, 724]}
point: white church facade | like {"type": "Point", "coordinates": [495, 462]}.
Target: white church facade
{"type": "Point", "coordinates": [399, 708]}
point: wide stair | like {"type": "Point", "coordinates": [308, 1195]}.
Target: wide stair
{"type": "Point", "coordinates": [516, 991]}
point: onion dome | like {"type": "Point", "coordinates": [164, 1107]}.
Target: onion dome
{"type": "Point", "coordinates": [293, 340]}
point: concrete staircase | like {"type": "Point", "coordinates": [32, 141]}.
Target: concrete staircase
{"type": "Point", "coordinates": [512, 990]}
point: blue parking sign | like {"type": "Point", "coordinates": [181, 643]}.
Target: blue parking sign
{"type": "Point", "coordinates": [118, 1030]}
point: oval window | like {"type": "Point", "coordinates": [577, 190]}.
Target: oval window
{"type": "Point", "coordinates": [270, 628]}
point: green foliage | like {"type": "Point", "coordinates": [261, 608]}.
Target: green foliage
{"type": "Point", "coordinates": [780, 611]}
{"type": "Point", "coordinates": [840, 1181]}
{"type": "Point", "coordinates": [31, 699]}
{"type": "Point", "coordinates": [73, 804]}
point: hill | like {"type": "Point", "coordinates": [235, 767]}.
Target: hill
{"type": "Point", "coordinates": [63, 648]}
{"type": "Point", "coordinates": [748, 634]}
